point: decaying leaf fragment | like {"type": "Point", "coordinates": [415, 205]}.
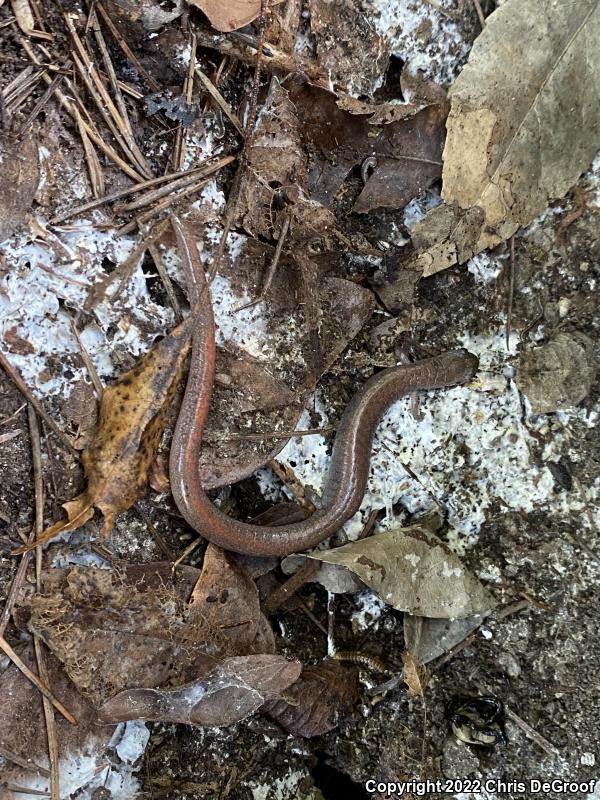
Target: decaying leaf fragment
{"type": "Point", "coordinates": [524, 121]}
{"type": "Point", "coordinates": [234, 689]}
{"type": "Point", "coordinates": [19, 178]}
{"type": "Point", "coordinates": [416, 676]}
{"type": "Point", "coordinates": [314, 704]}
{"type": "Point", "coordinates": [412, 570]}
{"type": "Point", "coordinates": [229, 15]}
{"type": "Point", "coordinates": [131, 423]}
{"type": "Point", "coordinates": [146, 625]}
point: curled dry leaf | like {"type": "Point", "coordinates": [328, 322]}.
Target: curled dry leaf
{"type": "Point", "coordinates": [412, 570]}
{"type": "Point", "coordinates": [416, 676]}
{"type": "Point", "coordinates": [229, 15]}
{"type": "Point", "coordinates": [234, 689]}
{"type": "Point", "coordinates": [19, 178]}
{"type": "Point", "coordinates": [511, 146]}
{"type": "Point", "coordinates": [132, 418]}
{"type": "Point", "coordinates": [315, 703]}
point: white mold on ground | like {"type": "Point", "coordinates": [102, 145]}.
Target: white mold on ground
{"type": "Point", "coordinates": [423, 34]}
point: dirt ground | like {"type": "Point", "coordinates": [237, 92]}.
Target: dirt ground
{"type": "Point", "coordinates": [539, 652]}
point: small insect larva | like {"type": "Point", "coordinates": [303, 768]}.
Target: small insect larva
{"type": "Point", "coordinates": [373, 663]}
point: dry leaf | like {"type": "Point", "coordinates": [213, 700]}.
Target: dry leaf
{"type": "Point", "coordinates": [19, 178]}
{"type": "Point", "coordinates": [559, 374]}
{"type": "Point", "coordinates": [229, 15]}
{"type": "Point", "coordinates": [412, 570]}
{"type": "Point", "coordinates": [428, 638]}
{"type": "Point", "coordinates": [132, 418]}
{"type": "Point", "coordinates": [405, 140]}
{"type": "Point", "coordinates": [81, 747]}
{"type": "Point", "coordinates": [147, 625]}
{"type": "Point", "coordinates": [524, 120]}
{"type": "Point", "coordinates": [314, 704]}
{"type": "Point", "coordinates": [234, 689]}
{"type": "Point", "coordinates": [416, 676]}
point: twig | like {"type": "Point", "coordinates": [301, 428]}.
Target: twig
{"type": "Point", "coordinates": [28, 395]}
{"type": "Point", "coordinates": [162, 206]}
{"type": "Point", "coordinates": [220, 100]}
{"type": "Point", "coordinates": [166, 281]}
{"type": "Point", "coordinates": [17, 661]}
{"type": "Point", "coordinates": [89, 365]}
{"type": "Point", "coordinates": [531, 733]}
{"type": "Point", "coordinates": [188, 551]}
{"type": "Point", "coordinates": [110, 198]}
{"type": "Point", "coordinates": [178, 152]}
{"type": "Point", "coordinates": [257, 71]}
{"type": "Point", "coordinates": [511, 290]}
{"type": "Point", "coordinates": [289, 587]}
{"type": "Point", "coordinates": [272, 266]}
{"type": "Point", "coordinates": [127, 50]}
{"type": "Point", "coordinates": [23, 762]}
{"type": "Point", "coordinates": [480, 15]}
{"type": "Point", "coordinates": [259, 437]}
{"type": "Point", "coordinates": [36, 453]}
{"type": "Point", "coordinates": [70, 108]}
{"type": "Point", "coordinates": [121, 106]}
{"type": "Point", "coordinates": [43, 101]}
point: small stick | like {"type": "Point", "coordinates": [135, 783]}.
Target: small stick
{"type": "Point", "coordinates": [110, 198]}
{"type": "Point", "coordinates": [188, 551]}
{"type": "Point", "coordinates": [156, 194]}
{"type": "Point", "coordinates": [166, 281]}
{"type": "Point", "coordinates": [36, 453]}
{"type": "Point", "coordinates": [91, 157]}
{"type": "Point", "coordinates": [22, 762]}
{"type": "Point", "coordinates": [272, 266]}
{"type": "Point", "coordinates": [43, 101]}
{"type": "Point", "coordinates": [289, 587]}
{"type": "Point", "coordinates": [127, 50]}
{"type": "Point", "coordinates": [162, 206]}
{"type": "Point", "coordinates": [531, 733]}
{"type": "Point", "coordinates": [121, 106]}
{"type": "Point", "coordinates": [288, 477]}
{"type": "Point", "coordinates": [257, 71]}
{"type": "Point", "coordinates": [128, 266]}
{"type": "Point", "coordinates": [479, 11]}
{"type": "Point", "coordinates": [27, 394]}
{"type": "Point", "coordinates": [259, 437]}
{"type": "Point", "coordinates": [220, 100]}
{"type": "Point", "coordinates": [89, 365]}
{"type": "Point", "coordinates": [511, 290]}
{"type": "Point", "coordinates": [4, 645]}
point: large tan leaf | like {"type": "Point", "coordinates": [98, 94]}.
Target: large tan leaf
{"type": "Point", "coordinates": [414, 571]}
{"type": "Point", "coordinates": [524, 120]}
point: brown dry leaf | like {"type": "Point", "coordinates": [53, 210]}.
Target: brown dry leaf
{"type": "Point", "coordinates": [416, 676]}
{"type": "Point", "coordinates": [405, 140]}
{"type": "Point", "coordinates": [349, 50]}
{"type": "Point", "coordinates": [229, 15]}
{"type": "Point", "coordinates": [228, 600]}
{"type": "Point", "coordinates": [524, 122]}
{"type": "Point", "coordinates": [132, 418]}
{"type": "Point", "coordinates": [559, 374]}
{"type": "Point", "coordinates": [147, 625]}
{"type": "Point", "coordinates": [19, 178]}
{"type": "Point", "coordinates": [414, 571]}
{"type": "Point", "coordinates": [81, 747]}
{"type": "Point", "coordinates": [234, 689]}
{"type": "Point", "coordinates": [315, 703]}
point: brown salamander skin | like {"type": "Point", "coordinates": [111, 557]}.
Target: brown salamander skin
{"type": "Point", "coordinates": [350, 460]}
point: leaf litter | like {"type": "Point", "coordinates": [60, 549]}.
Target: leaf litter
{"type": "Point", "coordinates": [442, 237]}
